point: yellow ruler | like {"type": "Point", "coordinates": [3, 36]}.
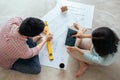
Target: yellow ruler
{"type": "Point", "coordinates": [49, 44]}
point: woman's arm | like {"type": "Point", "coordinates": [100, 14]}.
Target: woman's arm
{"type": "Point", "coordinates": [76, 49]}
{"type": "Point", "coordinates": [86, 36]}
{"type": "Point", "coordinates": [86, 54]}
{"type": "Point", "coordinates": [78, 35]}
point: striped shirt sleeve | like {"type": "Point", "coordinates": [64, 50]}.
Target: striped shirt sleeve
{"type": "Point", "coordinates": [23, 50]}
{"type": "Point", "coordinates": [30, 52]}
{"type": "Point", "coordinates": [16, 20]}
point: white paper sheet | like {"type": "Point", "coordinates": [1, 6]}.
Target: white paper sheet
{"type": "Point", "coordinates": [78, 12]}
{"type": "Point", "coordinates": [58, 25]}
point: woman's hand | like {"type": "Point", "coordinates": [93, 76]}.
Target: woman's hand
{"type": "Point", "coordinates": [78, 35]}
{"type": "Point", "coordinates": [74, 49]}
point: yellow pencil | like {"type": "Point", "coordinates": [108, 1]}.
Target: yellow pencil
{"type": "Point", "coordinates": [49, 44]}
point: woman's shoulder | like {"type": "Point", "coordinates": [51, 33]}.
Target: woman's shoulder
{"type": "Point", "coordinates": [118, 47]}
{"type": "Point", "coordinates": [93, 51]}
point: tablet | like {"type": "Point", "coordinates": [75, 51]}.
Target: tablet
{"type": "Point", "coordinates": [70, 41]}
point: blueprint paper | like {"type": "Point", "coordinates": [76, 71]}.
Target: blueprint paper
{"type": "Point", "coordinates": [58, 24]}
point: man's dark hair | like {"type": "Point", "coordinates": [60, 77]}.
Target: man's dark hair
{"type": "Point", "coordinates": [105, 41]}
{"type": "Point", "coordinates": [31, 27]}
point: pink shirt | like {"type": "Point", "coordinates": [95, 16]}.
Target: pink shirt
{"type": "Point", "coordinates": [13, 45]}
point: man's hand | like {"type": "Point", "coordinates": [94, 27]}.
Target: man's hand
{"type": "Point", "coordinates": [49, 37]}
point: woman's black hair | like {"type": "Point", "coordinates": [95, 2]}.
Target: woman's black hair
{"type": "Point", "coordinates": [31, 27]}
{"type": "Point", "coordinates": [105, 41]}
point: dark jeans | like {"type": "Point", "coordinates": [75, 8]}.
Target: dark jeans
{"type": "Point", "coordinates": [30, 66]}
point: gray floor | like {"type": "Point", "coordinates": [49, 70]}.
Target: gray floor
{"type": "Point", "coordinates": [107, 13]}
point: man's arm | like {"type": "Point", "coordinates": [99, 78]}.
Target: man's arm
{"type": "Point", "coordinates": [48, 37]}
{"type": "Point", "coordinates": [26, 52]}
